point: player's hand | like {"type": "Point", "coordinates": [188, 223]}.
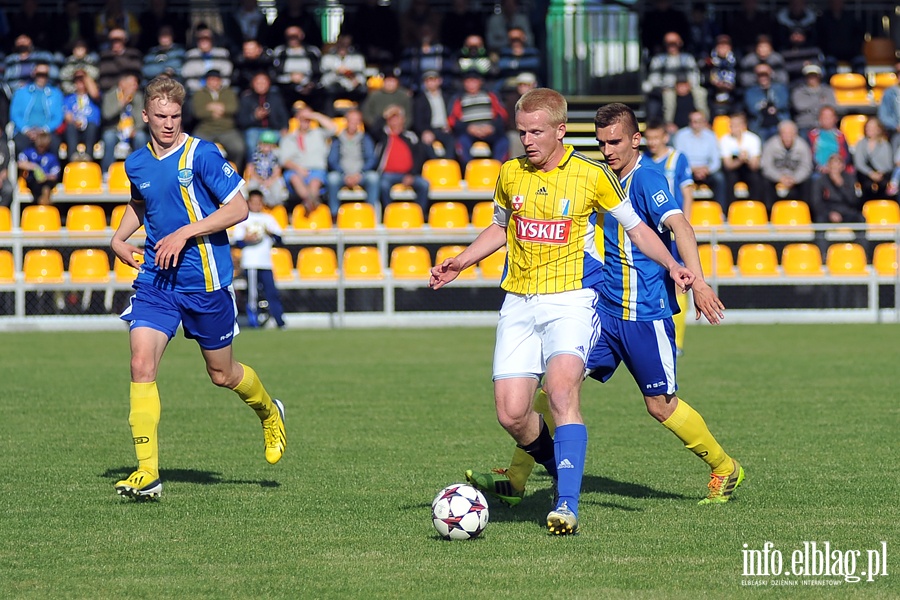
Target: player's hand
{"type": "Point", "coordinates": [125, 252]}
{"type": "Point", "coordinates": [444, 273]}
{"type": "Point", "coordinates": [683, 277]}
{"type": "Point", "coordinates": [707, 303]}
{"type": "Point", "coordinates": [169, 248]}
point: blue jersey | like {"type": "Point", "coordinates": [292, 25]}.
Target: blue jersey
{"type": "Point", "coordinates": [186, 185]}
{"type": "Point", "coordinates": [677, 170]}
{"type": "Point", "coordinates": [634, 287]}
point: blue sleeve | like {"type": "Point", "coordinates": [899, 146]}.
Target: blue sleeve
{"type": "Point", "coordinates": [683, 173]}
{"type": "Point", "coordinates": [217, 173]}
{"type": "Point", "coordinates": [651, 197]}
{"type": "Point", "coordinates": [56, 109]}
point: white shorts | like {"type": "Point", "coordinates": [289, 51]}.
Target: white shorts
{"type": "Point", "coordinates": [535, 328]}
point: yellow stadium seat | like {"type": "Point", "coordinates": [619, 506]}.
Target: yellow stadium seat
{"type": "Point", "coordinates": [885, 259]}
{"type": "Point", "coordinates": [342, 105]}
{"type": "Point", "coordinates": [23, 186]}
{"type": "Point", "coordinates": [340, 124]}
{"type": "Point", "coordinates": [846, 259]}
{"type": "Point", "coordinates": [492, 266]}
{"type": "Point", "coordinates": [882, 81]}
{"type": "Point", "coordinates": [853, 128]}
{"type": "Point", "coordinates": [88, 265]}
{"type": "Point", "coordinates": [741, 190]}
{"type": "Point", "coordinates": [116, 217]}
{"type": "Point", "coordinates": [118, 182]}
{"type": "Point", "coordinates": [82, 178]}
{"type": "Point", "coordinates": [5, 219]}
{"type": "Point", "coordinates": [724, 260]}
{"type": "Point", "coordinates": [403, 215]}
{"type": "Point", "coordinates": [282, 264]}
{"type": "Point", "coordinates": [482, 173]}
{"type": "Point", "coordinates": [7, 267]}
{"type": "Point", "coordinates": [317, 262]}
{"type": "Point", "coordinates": [124, 273]}
{"type": "Point", "coordinates": [747, 213]}
{"type": "Point", "coordinates": [279, 212]}
{"type": "Point", "coordinates": [706, 213]}
{"type": "Point", "coordinates": [445, 252]}
{"type": "Point", "coordinates": [483, 214]}
{"type": "Point", "coordinates": [40, 218]}
{"type": "Point", "coordinates": [448, 215]}
{"type": "Point", "coordinates": [801, 260]}
{"type": "Point", "coordinates": [881, 212]}
{"type": "Point", "coordinates": [43, 266]}
{"type": "Point", "coordinates": [319, 218]}
{"type": "Point", "coordinates": [442, 173]}
{"type": "Point", "coordinates": [401, 192]}
{"type": "Point", "coordinates": [757, 260]}
{"type": "Point", "coordinates": [791, 213]}
{"type": "Point", "coordinates": [850, 89]}
{"type": "Point", "coordinates": [356, 215]}
{"type": "Point", "coordinates": [375, 82]}
{"type": "Point", "coordinates": [410, 262]}
{"type": "Point", "coordinates": [480, 149]}
{"type": "Point", "coordinates": [85, 217]}
{"type": "Point", "coordinates": [362, 262]}
{"type": "Point", "coordinates": [721, 125]}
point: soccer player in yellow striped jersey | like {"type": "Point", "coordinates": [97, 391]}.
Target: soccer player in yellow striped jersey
{"type": "Point", "coordinates": [546, 206]}
{"type": "Point", "coordinates": [186, 195]}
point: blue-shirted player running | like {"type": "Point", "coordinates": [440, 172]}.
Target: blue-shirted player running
{"type": "Point", "coordinates": [186, 195]}
{"type": "Point", "coordinates": [635, 309]}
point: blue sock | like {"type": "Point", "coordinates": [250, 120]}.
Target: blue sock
{"type": "Point", "coordinates": [570, 446]}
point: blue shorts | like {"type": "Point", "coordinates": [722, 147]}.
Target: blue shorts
{"type": "Point", "coordinates": [208, 317]}
{"type": "Point", "coordinates": [311, 174]}
{"type": "Point", "coordinates": [646, 347]}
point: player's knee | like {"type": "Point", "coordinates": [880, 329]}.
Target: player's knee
{"type": "Point", "coordinates": [661, 407]}
{"type": "Point", "coordinates": [143, 368]}
{"type": "Point", "coordinates": [221, 378]}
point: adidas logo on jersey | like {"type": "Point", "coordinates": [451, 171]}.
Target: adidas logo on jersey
{"type": "Point", "coordinates": [542, 191]}
{"type": "Point", "coordinates": [565, 464]}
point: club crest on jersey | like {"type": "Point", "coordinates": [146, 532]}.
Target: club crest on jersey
{"type": "Point", "coordinates": [226, 168]}
{"type": "Point", "coordinates": [660, 198]}
{"type": "Point", "coordinates": [517, 202]}
{"type": "Point", "coordinates": [564, 206]}
{"type": "Point", "coordinates": [185, 177]}
{"type": "Point", "coordinates": [543, 232]}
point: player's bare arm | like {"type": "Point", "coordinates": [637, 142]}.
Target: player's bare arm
{"type": "Point", "coordinates": [131, 221]}
{"type": "Point", "coordinates": [169, 248]}
{"type": "Point", "coordinates": [706, 301]}
{"type": "Point", "coordinates": [647, 242]}
{"type": "Point", "coordinates": [488, 241]}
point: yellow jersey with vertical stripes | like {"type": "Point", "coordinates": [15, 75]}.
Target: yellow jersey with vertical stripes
{"type": "Point", "coordinates": [185, 185]}
{"type": "Point", "coordinates": [550, 237]}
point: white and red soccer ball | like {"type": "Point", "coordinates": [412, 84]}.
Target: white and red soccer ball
{"type": "Point", "coordinates": [459, 512]}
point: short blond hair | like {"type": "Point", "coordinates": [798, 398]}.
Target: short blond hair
{"type": "Point", "coordinates": [550, 101]}
{"type": "Point", "coordinates": [163, 87]}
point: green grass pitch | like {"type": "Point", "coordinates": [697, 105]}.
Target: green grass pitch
{"type": "Point", "coordinates": [379, 420]}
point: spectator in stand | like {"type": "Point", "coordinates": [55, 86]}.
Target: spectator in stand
{"type": "Point", "coordinates": [261, 107]}
{"type": "Point", "coordinates": [741, 151]}
{"type": "Point", "coordinates": [246, 23]}
{"type": "Point", "coordinates": [834, 198]}
{"type": "Point", "coordinates": [352, 162]}
{"type": "Point", "coordinates": [799, 54]}
{"type": "Point", "coordinates": [873, 159]}
{"type": "Point", "coordinates": [460, 22]}
{"type": "Point", "coordinates": [118, 58]}
{"type": "Point", "coordinates": [827, 140]}
{"type": "Point", "coordinates": [297, 68]}
{"type": "Point", "coordinates": [123, 128]}
{"type": "Point", "coordinates": [889, 110]}
{"type": "Point", "coordinates": [115, 16]}
{"type": "Point", "coordinates": [722, 77]}
{"type": "Point", "coordinates": [431, 106]}
{"type": "Point", "coordinates": [510, 16]}
{"type": "Point", "coordinates": [416, 19]}
{"type": "Point", "coordinates": [663, 71]}
{"type": "Point", "coordinates": [294, 13]}
{"type": "Point", "coordinates": [473, 56]}
{"type": "Point", "coordinates": [215, 107]}
{"type": "Point", "coordinates": [400, 157]}
{"type": "Point", "coordinates": [701, 147]}
{"type": "Point", "coordinates": [75, 25]}
{"type": "Point", "coordinates": [254, 57]}
{"type": "Point", "coordinates": [787, 166]}
{"type": "Point", "coordinates": [767, 103]}
{"type": "Point", "coordinates": [81, 59]}
{"type": "Point", "coordinates": [204, 57]}
{"type": "Point", "coordinates": [82, 117]}
{"type": "Point", "coordinates": [477, 115]}
{"type": "Point", "coordinates": [37, 107]}
{"type": "Point", "coordinates": [343, 73]}
{"type": "Point", "coordinates": [746, 25]}
{"type": "Point", "coordinates": [375, 28]}
{"type": "Point", "coordinates": [156, 16]}
{"type": "Point", "coordinates": [703, 31]}
{"type": "Point", "coordinates": [391, 93]}
{"type": "Point", "coordinates": [264, 173]}
{"type": "Point", "coordinates": [427, 55]}
{"type": "Point", "coordinates": [763, 53]}
{"type": "Point", "coordinates": [795, 16]}
{"type": "Point", "coordinates": [39, 165]}
{"type": "Point", "coordinates": [808, 98]}
{"type": "Point", "coordinates": [165, 57]}
{"type": "Point", "coordinates": [30, 22]}
{"type": "Point", "coordinates": [678, 104]}
{"type": "Point", "coordinates": [841, 37]}
{"type": "Point", "coordinates": [304, 154]}
{"type": "Point", "coordinates": [658, 22]}
{"type": "Point", "coordinates": [524, 82]}
{"type": "Point", "coordinates": [20, 64]}
{"type": "Point", "coordinates": [517, 57]}
{"type": "Point", "coordinates": [6, 186]}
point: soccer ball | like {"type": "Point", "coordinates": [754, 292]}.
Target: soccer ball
{"type": "Point", "coordinates": [459, 512]}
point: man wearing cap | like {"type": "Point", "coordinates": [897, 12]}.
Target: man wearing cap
{"type": "Point", "coordinates": [429, 119]}
{"type": "Point", "coordinates": [215, 107]}
{"type": "Point", "coordinates": [808, 97]}
{"type": "Point", "coordinates": [722, 76]}
{"type": "Point", "coordinates": [400, 157]}
{"type": "Point", "coordinates": [304, 154]}
{"type": "Point", "coordinates": [478, 116]}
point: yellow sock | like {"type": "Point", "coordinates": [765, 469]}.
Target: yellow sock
{"type": "Point", "coordinates": [689, 426]}
{"type": "Point", "coordinates": [144, 420]}
{"type": "Point", "coordinates": [522, 463]}
{"type": "Point", "coordinates": [680, 320]}
{"type": "Point", "coordinates": [252, 392]}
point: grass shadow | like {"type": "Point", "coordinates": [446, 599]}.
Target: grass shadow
{"type": "Point", "coordinates": [191, 476]}
{"type": "Point", "coordinates": [604, 485]}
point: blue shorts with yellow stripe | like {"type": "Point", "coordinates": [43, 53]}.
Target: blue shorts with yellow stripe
{"type": "Point", "coordinates": [646, 347]}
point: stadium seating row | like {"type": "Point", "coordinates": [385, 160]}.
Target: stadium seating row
{"type": "Point", "coordinates": [797, 260]}
{"type": "Point", "coordinates": [752, 213]}
{"type": "Point", "coordinates": [852, 125]}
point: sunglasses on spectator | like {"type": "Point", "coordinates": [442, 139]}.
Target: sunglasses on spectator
{"type": "Point", "coordinates": [41, 74]}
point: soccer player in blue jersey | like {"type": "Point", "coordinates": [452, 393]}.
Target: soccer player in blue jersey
{"type": "Point", "coordinates": [635, 310]}
{"type": "Point", "coordinates": [186, 195]}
